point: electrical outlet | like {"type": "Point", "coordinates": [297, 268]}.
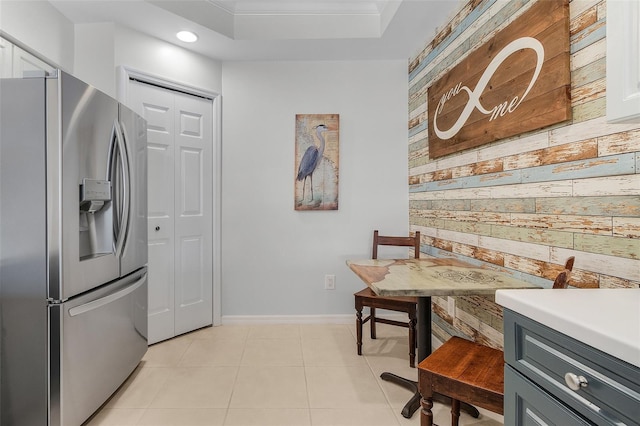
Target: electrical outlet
{"type": "Point", "coordinates": [329, 282]}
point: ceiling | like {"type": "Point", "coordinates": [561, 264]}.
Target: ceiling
{"type": "Point", "coordinates": [230, 30]}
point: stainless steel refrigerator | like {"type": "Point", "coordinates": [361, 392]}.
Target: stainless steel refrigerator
{"type": "Point", "coordinates": [73, 248]}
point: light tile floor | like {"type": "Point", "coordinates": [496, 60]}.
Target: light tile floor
{"type": "Point", "coordinates": [272, 375]}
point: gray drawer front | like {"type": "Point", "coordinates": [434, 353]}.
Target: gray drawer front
{"type": "Point", "coordinates": [612, 395]}
{"type": "Point", "coordinates": [525, 404]}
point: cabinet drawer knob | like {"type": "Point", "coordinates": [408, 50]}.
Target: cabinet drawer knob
{"type": "Point", "coordinates": [157, 228]}
{"type": "Point", "coordinates": [575, 382]}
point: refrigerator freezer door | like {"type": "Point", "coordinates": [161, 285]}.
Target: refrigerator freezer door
{"type": "Point", "coordinates": [101, 339]}
{"type": "Point", "coordinates": [81, 133]}
{"type": "Point", "coordinates": [134, 133]}
{"type": "Point", "coordinates": [23, 254]}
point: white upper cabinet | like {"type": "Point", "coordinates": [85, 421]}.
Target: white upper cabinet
{"type": "Point", "coordinates": [14, 61]}
{"type": "Point", "coordinates": [623, 61]}
{"type": "Point", "coordinates": [6, 63]}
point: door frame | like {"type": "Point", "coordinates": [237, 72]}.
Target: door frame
{"type": "Point", "coordinates": [124, 74]}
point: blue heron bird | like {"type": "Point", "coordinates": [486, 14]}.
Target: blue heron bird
{"type": "Point", "coordinates": [311, 159]}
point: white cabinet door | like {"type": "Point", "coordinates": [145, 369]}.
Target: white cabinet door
{"type": "Point", "coordinates": [14, 61]}
{"type": "Point", "coordinates": [6, 59]}
{"type": "Point", "coordinates": [25, 61]}
{"type": "Point", "coordinates": [623, 61]}
{"type": "Point", "coordinates": [180, 139]}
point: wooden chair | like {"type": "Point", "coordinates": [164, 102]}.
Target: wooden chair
{"type": "Point", "coordinates": [467, 371]}
{"type": "Point", "coordinates": [367, 298]}
{"type": "Point", "coordinates": [562, 280]}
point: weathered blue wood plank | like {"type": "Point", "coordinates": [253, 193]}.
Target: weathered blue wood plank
{"type": "Point", "coordinates": [440, 185]}
{"type": "Point", "coordinates": [492, 179]}
{"type": "Point", "coordinates": [417, 188]}
{"type": "Point", "coordinates": [506, 12]}
{"type": "Point", "coordinates": [417, 129]}
{"type": "Point", "coordinates": [613, 165]}
{"type": "Point", "coordinates": [479, 181]}
{"type": "Point", "coordinates": [585, 39]}
{"type": "Point", "coordinates": [455, 33]}
{"type": "Point", "coordinates": [637, 162]}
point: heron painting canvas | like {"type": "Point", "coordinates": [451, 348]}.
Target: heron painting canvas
{"type": "Point", "coordinates": [317, 159]}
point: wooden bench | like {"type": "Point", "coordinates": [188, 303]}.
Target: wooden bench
{"type": "Point", "coordinates": [465, 371]}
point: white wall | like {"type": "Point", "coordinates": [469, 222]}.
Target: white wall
{"type": "Point", "coordinates": [39, 27]}
{"type": "Point", "coordinates": [274, 258]}
{"type": "Point", "coordinates": [162, 59]}
{"type": "Point", "coordinates": [92, 52]}
{"type": "Point", "coordinates": [101, 48]}
{"type": "Point", "coordinates": [95, 55]}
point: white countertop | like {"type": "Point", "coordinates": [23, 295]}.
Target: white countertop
{"type": "Point", "coordinates": [606, 319]}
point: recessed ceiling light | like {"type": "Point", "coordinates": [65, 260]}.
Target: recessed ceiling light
{"type": "Point", "coordinates": [187, 36]}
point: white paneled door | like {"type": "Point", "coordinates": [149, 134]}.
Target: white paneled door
{"type": "Point", "coordinates": [180, 146]}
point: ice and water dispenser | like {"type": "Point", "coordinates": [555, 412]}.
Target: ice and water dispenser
{"type": "Point", "coordinates": [96, 219]}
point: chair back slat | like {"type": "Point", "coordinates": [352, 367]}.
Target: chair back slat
{"type": "Point", "coordinates": [384, 240]}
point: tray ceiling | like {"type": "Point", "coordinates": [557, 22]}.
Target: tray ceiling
{"type": "Point", "coordinates": [277, 29]}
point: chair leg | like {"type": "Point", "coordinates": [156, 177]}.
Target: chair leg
{"type": "Point", "coordinates": [412, 343]}
{"type": "Point", "coordinates": [455, 412]}
{"type": "Point", "coordinates": [426, 415]}
{"type": "Point", "coordinates": [372, 322]}
{"type": "Point", "coordinates": [359, 329]}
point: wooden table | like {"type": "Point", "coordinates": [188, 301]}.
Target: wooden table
{"type": "Point", "coordinates": [424, 278]}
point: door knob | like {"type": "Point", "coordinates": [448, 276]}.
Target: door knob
{"type": "Point", "coordinates": [157, 228]}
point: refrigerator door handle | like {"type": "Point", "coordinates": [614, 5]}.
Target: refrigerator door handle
{"type": "Point", "coordinates": [114, 177]}
{"type": "Point", "coordinates": [95, 304]}
{"type": "Point", "coordinates": [123, 223]}
{"type": "Point", "coordinates": [111, 170]}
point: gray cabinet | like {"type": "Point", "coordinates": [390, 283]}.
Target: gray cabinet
{"type": "Point", "coordinates": [526, 404]}
{"type": "Point", "coordinates": [553, 379]}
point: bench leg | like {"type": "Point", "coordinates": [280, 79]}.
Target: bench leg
{"type": "Point", "coordinates": [412, 343]}
{"type": "Point", "coordinates": [426, 415]}
{"type": "Point", "coordinates": [455, 412]}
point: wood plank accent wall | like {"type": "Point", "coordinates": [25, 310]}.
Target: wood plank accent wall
{"type": "Point", "coordinates": [524, 204]}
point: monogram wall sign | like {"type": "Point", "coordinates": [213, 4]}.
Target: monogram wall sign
{"type": "Point", "coordinates": [517, 82]}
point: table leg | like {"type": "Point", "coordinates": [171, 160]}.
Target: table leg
{"type": "Point", "coordinates": [414, 403]}
{"type": "Point", "coordinates": [424, 327]}
{"type": "Point", "coordinates": [424, 350]}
